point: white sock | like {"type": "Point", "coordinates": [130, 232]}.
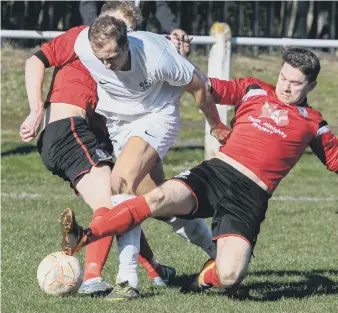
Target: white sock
{"type": "Point", "coordinates": [128, 248]}
{"type": "Point", "coordinates": [195, 231]}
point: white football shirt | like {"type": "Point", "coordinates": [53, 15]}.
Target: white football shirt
{"type": "Point", "coordinates": [154, 82]}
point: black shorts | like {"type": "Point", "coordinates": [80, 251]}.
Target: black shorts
{"type": "Point", "coordinates": [69, 149]}
{"type": "Point", "coordinates": [236, 204]}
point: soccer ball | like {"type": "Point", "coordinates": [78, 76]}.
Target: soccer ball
{"type": "Point", "coordinates": [60, 274]}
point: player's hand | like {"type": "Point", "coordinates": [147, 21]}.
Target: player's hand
{"type": "Point", "coordinates": [221, 133]}
{"type": "Point", "coordinates": [30, 127]}
{"type": "Point", "coordinates": [181, 41]}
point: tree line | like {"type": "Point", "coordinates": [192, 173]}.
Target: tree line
{"type": "Point", "coordinates": [294, 19]}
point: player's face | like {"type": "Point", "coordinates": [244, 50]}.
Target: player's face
{"type": "Point", "coordinates": [113, 57]}
{"type": "Point", "coordinates": [292, 86]}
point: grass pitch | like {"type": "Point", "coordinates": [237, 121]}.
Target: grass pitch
{"type": "Point", "coordinates": [295, 265]}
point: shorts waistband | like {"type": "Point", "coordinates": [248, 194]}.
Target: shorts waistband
{"type": "Point", "coordinates": [247, 180]}
{"type": "Point", "coordinates": [243, 170]}
{"type": "Point", "coordinates": [65, 122]}
{"type": "Point", "coordinates": [66, 119]}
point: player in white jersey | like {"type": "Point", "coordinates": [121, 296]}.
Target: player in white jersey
{"type": "Point", "coordinates": [195, 231]}
{"type": "Point", "coordinates": [140, 100]}
{"type": "Point", "coordinates": [141, 78]}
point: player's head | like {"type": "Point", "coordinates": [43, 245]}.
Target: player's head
{"type": "Point", "coordinates": [124, 10]}
{"type": "Point", "coordinates": [298, 75]}
{"type": "Point", "coordinates": [109, 41]}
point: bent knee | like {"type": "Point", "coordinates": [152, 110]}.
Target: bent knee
{"type": "Point", "coordinates": [122, 185]}
{"type": "Point", "coordinates": [156, 199]}
{"type": "Point", "coordinates": [229, 277]}
{"type": "Point", "coordinates": [157, 195]}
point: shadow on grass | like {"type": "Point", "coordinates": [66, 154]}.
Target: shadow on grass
{"type": "Point", "coordinates": [19, 150]}
{"type": "Point", "coordinates": [180, 146]}
{"type": "Point", "coordinates": [311, 283]}
{"type": "Point", "coordinates": [30, 148]}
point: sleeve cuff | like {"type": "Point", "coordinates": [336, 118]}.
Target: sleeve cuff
{"type": "Point", "coordinates": [42, 57]}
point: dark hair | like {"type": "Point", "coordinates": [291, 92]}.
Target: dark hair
{"type": "Point", "coordinates": [129, 11]}
{"type": "Point", "coordinates": [106, 28]}
{"type": "Point", "coordinates": [304, 60]}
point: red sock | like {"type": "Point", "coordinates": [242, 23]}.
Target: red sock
{"type": "Point", "coordinates": [146, 256]}
{"type": "Point", "coordinates": [97, 252]}
{"type": "Point", "coordinates": [118, 220]}
{"type": "Point", "coordinates": [210, 276]}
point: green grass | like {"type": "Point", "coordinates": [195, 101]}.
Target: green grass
{"type": "Point", "coordinates": [294, 269]}
{"type": "Point", "coordinates": [295, 264]}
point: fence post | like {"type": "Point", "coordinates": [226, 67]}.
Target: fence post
{"type": "Point", "coordinates": [218, 67]}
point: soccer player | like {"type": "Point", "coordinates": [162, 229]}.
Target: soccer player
{"type": "Point", "coordinates": [272, 127]}
{"type": "Point", "coordinates": [139, 89]}
{"type": "Point", "coordinates": [196, 230]}
{"type": "Point", "coordinates": [71, 100]}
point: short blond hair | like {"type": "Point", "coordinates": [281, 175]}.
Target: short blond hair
{"type": "Point", "coordinates": [131, 13]}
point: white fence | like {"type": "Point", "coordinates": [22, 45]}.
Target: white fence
{"type": "Point", "coordinates": [219, 59]}
{"type": "Point", "coordinates": [245, 41]}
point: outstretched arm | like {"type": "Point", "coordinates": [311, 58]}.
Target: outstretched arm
{"type": "Point", "coordinates": [200, 88]}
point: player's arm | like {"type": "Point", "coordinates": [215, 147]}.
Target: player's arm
{"type": "Point", "coordinates": [229, 92]}
{"type": "Point", "coordinates": [325, 147]}
{"type": "Point", "coordinates": [34, 77]}
{"type": "Point", "coordinates": [56, 52]}
{"type": "Point", "coordinates": [199, 87]}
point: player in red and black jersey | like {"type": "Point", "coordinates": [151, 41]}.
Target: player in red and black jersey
{"type": "Point", "coordinates": [272, 127]}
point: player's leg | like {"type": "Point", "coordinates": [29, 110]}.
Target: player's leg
{"type": "Point", "coordinates": [237, 204]}
{"type": "Point", "coordinates": [175, 197]}
{"type": "Point", "coordinates": [94, 186]}
{"type": "Point", "coordinates": [239, 210]}
{"type": "Point", "coordinates": [95, 190]}
{"type": "Point", "coordinates": [133, 162]}
{"type": "Point", "coordinates": [128, 247]}
{"type": "Point", "coordinates": [137, 159]}
{"type": "Point", "coordinates": [146, 256]}
{"type": "Point", "coordinates": [171, 198]}
{"type": "Point", "coordinates": [232, 260]}
{"type": "Point", "coordinates": [194, 230]}
{"type": "Point", "coordinates": [135, 147]}
{"type": "Point", "coordinates": [159, 274]}
{"type": "Point", "coordinates": [60, 145]}
{"type": "Point", "coordinates": [120, 219]}
{"type": "Point", "coordinates": [229, 268]}
{"type": "Point", "coordinates": [160, 130]}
